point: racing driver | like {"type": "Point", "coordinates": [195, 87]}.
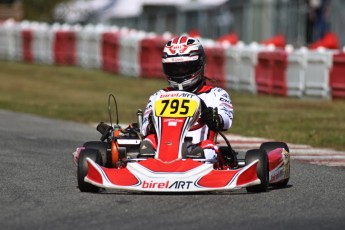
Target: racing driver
{"type": "Point", "coordinates": [183, 65]}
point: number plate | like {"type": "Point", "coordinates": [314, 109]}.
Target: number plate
{"type": "Point", "coordinates": [175, 107]}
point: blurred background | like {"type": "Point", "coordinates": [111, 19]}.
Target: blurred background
{"type": "Point", "coordinates": [300, 21]}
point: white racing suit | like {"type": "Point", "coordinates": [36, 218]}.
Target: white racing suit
{"type": "Point", "coordinates": [204, 137]}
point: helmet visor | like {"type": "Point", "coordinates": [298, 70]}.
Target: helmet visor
{"type": "Point", "coordinates": [181, 69]}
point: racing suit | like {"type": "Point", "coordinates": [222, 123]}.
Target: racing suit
{"type": "Point", "coordinates": [214, 97]}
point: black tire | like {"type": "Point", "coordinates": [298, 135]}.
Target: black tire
{"type": "Point", "coordinates": [261, 170]}
{"type": "Point", "coordinates": [82, 169]}
{"type": "Point", "coordinates": [268, 146]}
{"type": "Point", "coordinates": [102, 148]}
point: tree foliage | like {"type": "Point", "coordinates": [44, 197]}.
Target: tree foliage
{"type": "Point", "coordinates": [40, 10]}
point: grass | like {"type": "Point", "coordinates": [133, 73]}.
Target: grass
{"type": "Point", "coordinates": [71, 93]}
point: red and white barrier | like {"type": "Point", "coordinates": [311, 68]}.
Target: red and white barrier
{"type": "Point", "coordinates": [89, 46]}
{"type": "Point", "coordinates": [65, 46]}
{"type": "Point", "coordinates": [110, 50]}
{"type": "Point", "coordinates": [297, 63]}
{"type": "Point", "coordinates": [253, 68]}
{"type": "Point", "coordinates": [319, 64]}
{"type": "Point", "coordinates": [271, 72]}
{"type": "Point", "coordinates": [232, 65]}
{"type": "Point", "coordinates": [215, 63]}
{"type": "Point", "coordinates": [11, 41]}
{"type": "Point", "coordinates": [248, 65]}
{"type": "Point", "coordinates": [337, 76]}
{"type": "Point", "coordinates": [43, 40]}
{"type": "Point", "coordinates": [129, 52]}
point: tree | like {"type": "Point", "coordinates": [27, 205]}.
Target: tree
{"type": "Point", "coordinates": [40, 10]}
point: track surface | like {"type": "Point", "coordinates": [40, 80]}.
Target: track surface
{"type": "Point", "coordinates": [38, 191]}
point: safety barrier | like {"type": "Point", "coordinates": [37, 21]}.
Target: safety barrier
{"type": "Point", "coordinates": [337, 76]}
{"type": "Point", "coordinates": [27, 45]}
{"type": "Point", "coordinates": [43, 40]}
{"type": "Point", "coordinates": [279, 72]}
{"type": "Point", "coordinates": [277, 41]}
{"type": "Point", "coordinates": [130, 63]}
{"type": "Point", "coordinates": [317, 73]}
{"type": "Point", "coordinates": [264, 73]}
{"type": "Point", "coordinates": [215, 64]}
{"type": "Point", "coordinates": [295, 75]}
{"type": "Point", "coordinates": [65, 47]}
{"type": "Point", "coordinates": [110, 50]}
{"type": "Point", "coordinates": [11, 41]}
{"type": "Point", "coordinates": [250, 68]}
{"type": "Point", "coordinates": [271, 72]}
{"type": "Point", "coordinates": [232, 66]}
{"type": "Point", "coordinates": [248, 64]}
{"type": "Point", "coordinates": [151, 56]}
{"type": "Point", "coordinates": [89, 46]}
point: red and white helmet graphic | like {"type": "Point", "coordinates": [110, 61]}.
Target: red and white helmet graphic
{"type": "Point", "coordinates": [183, 63]}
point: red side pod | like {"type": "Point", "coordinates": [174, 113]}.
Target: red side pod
{"type": "Point", "coordinates": [248, 176]}
{"type": "Point", "coordinates": [275, 158]}
{"type": "Point", "coordinates": [121, 177]}
{"type": "Point", "coordinates": [93, 174]}
{"type": "Point", "coordinates": [217, 179]}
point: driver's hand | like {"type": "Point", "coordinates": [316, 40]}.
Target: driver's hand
{"type": "Point", "coordinates": [132, 127]}
{"type": "Point", "coordinates": [212, 119]}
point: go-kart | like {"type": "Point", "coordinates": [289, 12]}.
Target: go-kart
{"type": "Point", "coordinates": [114, 162]}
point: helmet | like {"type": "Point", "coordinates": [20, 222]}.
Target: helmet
{"type": "Point", "coordinates": [183, 63]}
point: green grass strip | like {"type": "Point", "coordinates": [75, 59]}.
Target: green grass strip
{"type": "Point", "coordinates": [72, 93]}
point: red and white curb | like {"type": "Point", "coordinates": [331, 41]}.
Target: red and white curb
{"type": "Point", "coordinates": [304, 153]}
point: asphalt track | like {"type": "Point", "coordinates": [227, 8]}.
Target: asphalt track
{"type": "Point", "coordinates": [38, 191]}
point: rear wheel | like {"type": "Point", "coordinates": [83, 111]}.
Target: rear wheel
{"type": "Point", "coordinates": [269, 146]}
{"type": "Point", "coordinates": [261, 170]}
{"type": "Point", "coordinates": [83, 168]}
{"type": "Point", "coordinates": [102, 148]}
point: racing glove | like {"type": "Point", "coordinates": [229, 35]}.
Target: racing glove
{"type": "Point", "coordinates": [133, 130]}
{"type": "Point", "coordinates": [212, 119]}
{"type": "Point", "coordinates": [150, 127]}
{"type": "Point", "coordinates": [132, 127]}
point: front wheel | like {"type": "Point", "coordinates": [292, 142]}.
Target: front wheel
{"type": "Point", "coordinates": [261, 170]}
{"type": "Point", "coordinates": [269, 146]}
{"type": "Point", "coordinates": [83, 168]}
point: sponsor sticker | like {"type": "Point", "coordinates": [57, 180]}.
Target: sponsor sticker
{"type": "Point", "coordinates": [175, 185]}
